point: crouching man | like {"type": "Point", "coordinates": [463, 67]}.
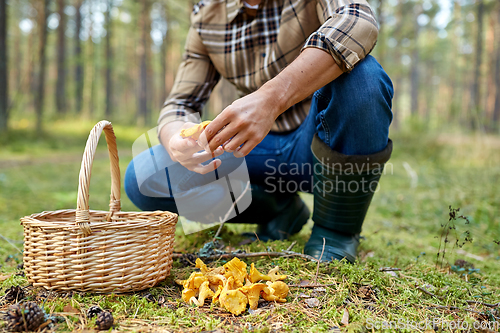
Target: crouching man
{"type": "Point", "coordinates": [311, 99]}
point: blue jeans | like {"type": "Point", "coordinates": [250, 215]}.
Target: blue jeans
{"type": "Point", "coordinates": [351, 114]}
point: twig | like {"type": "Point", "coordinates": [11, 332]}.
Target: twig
{"type": "Point", "coordinates": [229, 211]}
{"type": "Point", "coordinates": [435, 306]}
{"type": "Point", "coordinates": [319, 261]}
{"type": "Point", "coordinates": [389, 269]}
{"type": "Point", "coordinates": [485, 304]}
{"type": "Point", "coordinates": [8, 241]}
{"type": "Point", "coordinates": [428, 292]}
{"type": "Point", "coordinates": [305, 256]}
{"type": "Point", "coordinates": [291, 246]}
{"type": "Point", "coordinates": [311, 285]}
{"type": "Point", "coordinates": [135, 314]}
{"type": "Point", "coordinates": [253, 254]}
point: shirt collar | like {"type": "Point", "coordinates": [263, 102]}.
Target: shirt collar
{"type": "Point", "coordinates": [234, 7]}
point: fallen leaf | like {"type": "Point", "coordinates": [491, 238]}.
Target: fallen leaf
{"type": "Point", "coordinates": [4, 277]}
{"type": "Point", "coordinates": [304, 282]}
{"type": "Point", "coordinates": [312, 302]}
{"type": "Point", "coordinates": [392, 273]}
{"type": "Point", "coordinates": [256, 312]}
{"type": "Point", "coordinates": [345, 318]}
{"type": "Point", "coordinates": [70, 309]}
{"type": "Point", "coordinates": [319, 289]}
{"type": "Point", "coordinates": [304, 295]}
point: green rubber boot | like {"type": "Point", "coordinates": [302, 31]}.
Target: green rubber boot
{"type": "Point", "coordinates": [278, 215]}
{"type": "Point", "coordinates": [343, 189]}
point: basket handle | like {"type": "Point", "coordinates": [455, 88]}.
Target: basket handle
{"type": "Point", "coordinates": [82, 202]}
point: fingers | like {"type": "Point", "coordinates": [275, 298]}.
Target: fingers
{"type": "Point", "coordinates": [245, 148]}
{"type": "Point", "coordinates": [217, 132]}
{"type": "Point", "coordinates": [193, 162]}
{"type": "Point", "coordinates": [202, 157]}
{"type": "Point", "coordinates": [203, 169]}
{"type": "Point", "coordinates": [234, 143]}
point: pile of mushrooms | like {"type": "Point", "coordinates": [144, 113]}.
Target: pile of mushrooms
{"type": "Point", "coordinates": [232, 286]}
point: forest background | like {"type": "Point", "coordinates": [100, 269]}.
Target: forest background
{"type": "Point", "coordinates": [116, 59]}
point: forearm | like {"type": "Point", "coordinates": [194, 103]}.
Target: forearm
{"type": "Point", "coordinates": [313, 69]}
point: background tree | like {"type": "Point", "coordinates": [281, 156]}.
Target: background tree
{"type": "Point", "coordinates": [109, 61]}
{"type": "Point", "coordinates": [4, 91]}
{"type": "Point", "coordinates": [43, 8]}
{"type": "Point", "coordinates": [60, 95]}
{"type": "Point", "coordinates": [78, 57]}
{"type": "Point", "coordinates": [496, 110]}
{"type": "Point", "coordinates": [476, 86]}
{"type": "Point", "coordinates": [144, 23]}
{"type": "Point", "coordinates": [442, 56]}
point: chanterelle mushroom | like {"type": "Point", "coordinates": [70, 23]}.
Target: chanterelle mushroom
{"type": "Point", "coordinates": [280, 290]}
{"type": "Point", "coordinates": [232, 286]}
{"type": "Point", "coordinates": [194, 281]}
{"type": "Point", "coordinates": [253, 294]}
{"type": "Point", "coordinates": [233, 300]}
{"type": "Point", "coordinates": [256, 276]}
{"type": "Point", "coordinates": [202, 266]}
{"type": "Point", "coordinates": [194, 131]}
{"type": "Point", "coordinates": [205, 292]}
{"type": "Point", "coordinates": [273, 274]}
{"type": "Point", "coordinates": [187, 294]}
{"type": "Point", "coordinates": [275, 291]}
{"type": "Point", "coordinates": [237, 269]}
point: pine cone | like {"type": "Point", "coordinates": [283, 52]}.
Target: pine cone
{"type": "Point", "coordinates": [104, 320]}
{"type": "Point", "coordinates": [24, 317]}
{"type": "Point", "coordinates": [188, 259]}
{"type": "Point", "coordinates": [14, 294]}
{"type": "Point", "coordinates": [93, 311]}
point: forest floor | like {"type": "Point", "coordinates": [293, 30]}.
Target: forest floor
{"type": "Point", "coordinates": [406, 228]}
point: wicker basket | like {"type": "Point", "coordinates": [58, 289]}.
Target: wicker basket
{"type": "Point", "coordinates": [98, 251]}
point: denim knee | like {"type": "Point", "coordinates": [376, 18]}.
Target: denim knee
{"type": "Point", "coordinates": [353, 112]}
{"type": "Point", "coordinates": [141, 201]}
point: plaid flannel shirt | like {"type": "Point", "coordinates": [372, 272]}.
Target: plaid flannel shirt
{"type": "Point", "coordinates": [251, 46]}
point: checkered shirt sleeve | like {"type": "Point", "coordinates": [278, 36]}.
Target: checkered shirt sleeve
{"type": "Point", "coordinates": [195, 80]}
{"type": "Point", "coordinates": [348, 32]}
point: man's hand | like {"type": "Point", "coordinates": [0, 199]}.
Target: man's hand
{"type": "Point", "coordinates": [242, 125]}
{"type": "Point", "coordinates": [187, 151]}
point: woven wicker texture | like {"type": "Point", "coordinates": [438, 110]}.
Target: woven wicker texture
{"type": "Point", "coordinates": [98, 251]}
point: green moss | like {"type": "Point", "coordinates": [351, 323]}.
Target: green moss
{"type": "Point", "coordinates": [402, 230]}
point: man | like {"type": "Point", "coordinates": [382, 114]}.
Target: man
{"type": "Point", "coordinates": [311, 96]}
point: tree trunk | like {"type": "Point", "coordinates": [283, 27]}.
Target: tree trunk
{"type": "Point", "coordinates": [61, 60]}
{"type": "Point", "coordinates": [496, 110]}
{"type": "Point", "coordinates": [476, 89]}
{"type": "Point", "coordinates": [40, 96]}
{"type": "Point", "coordinates": [398, 81]}
{"type": "Point", "coordinates": [414, 74]}
{"type": "Point", "coordinates": [143, 113]}
{"type": "Point", "coordinates": [163, 66]}
{"type": "Point", "coordinates": [381, 37]}
{"type": "Point", "coordinates": [453, 77]}
{"type": "Point", "coordinates": [89, 65]}
{"type": "Point", "coordinates": [78, 58]}
{"type": "Point", "coordinates": [4, 86]}
{"type": "Point", "coordinates": [109, 63]}
{"type": "Point", "coordinates": [490, 74]}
